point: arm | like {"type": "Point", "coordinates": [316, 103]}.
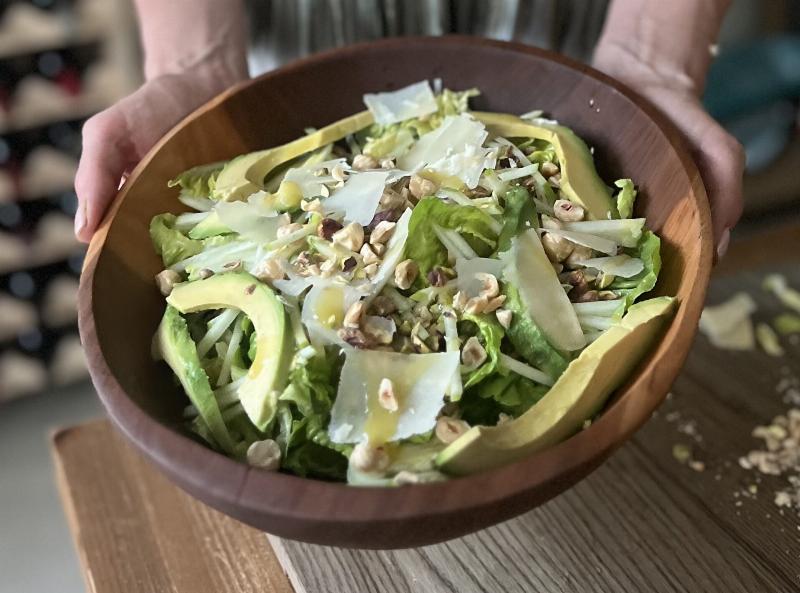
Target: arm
{"type": "Point", "coordinates": [663, 51]}
{"type": "Point", "coordinates": [193, 50]}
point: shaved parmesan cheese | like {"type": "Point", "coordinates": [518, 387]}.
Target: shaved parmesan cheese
{"type": "Point", "coordinates": [310, 181]}
{"type": "Point", "coordinates": [466, 269]}
{"type": "Point", "coordinates": [625, 231]}
{"type": "Point", "coordinates": [395, 249]}
{"type": "Point", "coordinates": [294, 285]}
{"type": "Point", "coordinates": [593, 241]}
{"type": "Point", "coordinates": [456, 133]}
{"type": "Point", "coordinates": [623, 265]}
{"type": "Point", "coordinates": [215, 258]}
{"type": "Point", "coordinates": [415, 100]}
{"type": "Point", "coordinates": [358, 199]}
{"type": "Point", "coordinates": [419, 383]}
{"type": "Point", "coordinates": [728, 325]}
{"type": "Point", "coordinates": [467, 165]}
{"type": "Point", "coordinates": [541, 292]}
{"type": "Point", "coordinates": [324, 308]}
{"type": "Point", "coordinates": [250, 219]}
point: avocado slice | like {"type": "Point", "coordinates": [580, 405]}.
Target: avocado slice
{"type": "Point", "coordinates": [210, 226]}
{"type": "Point", "coordinates": [174, 344]}
{"type": "Point", "coordinates": [267, 374]}
{"type": "Point", "coordinates": [577, 395]}
{"type": "Point", "coordinates": [579, 179]}
{"type": "Point", "coordinates": [245, 174]}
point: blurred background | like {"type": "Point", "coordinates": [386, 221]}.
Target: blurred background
{"type": "Point", "coordinates": [63, 60]}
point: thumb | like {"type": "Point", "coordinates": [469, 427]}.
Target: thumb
{"type": "Point", "coordinates": [107, 153]}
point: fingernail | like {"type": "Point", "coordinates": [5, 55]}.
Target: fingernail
{"type": "Point", "coordinates": [724, 243]}
{"type": "Point", "coordinates": [80, 219]}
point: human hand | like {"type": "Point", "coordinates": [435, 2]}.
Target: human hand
{"type": "Point", "coordinates": [719, 156]}
{"type": "Point", "coordinates": [116, 139]}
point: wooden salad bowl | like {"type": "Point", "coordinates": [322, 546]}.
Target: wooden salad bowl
{"type": "Point", "coordinates": [120, 306]}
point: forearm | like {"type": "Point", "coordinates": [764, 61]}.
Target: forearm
{"type": "Point", "coordinates": [208, 37]}
{"type": "Point", "coordinates": [661, 41]}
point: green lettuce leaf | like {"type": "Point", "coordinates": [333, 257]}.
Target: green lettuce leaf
{"type": "Point", "coordinates": [172, 245]}
{"type": "Point", "coordinates": [519, 215]}
{"type": "Point", "coordinates": [425, 248]}
{"type": "Point", "coordinates": [302, 432]}
{"type": "Point", "coordinates": [504, 392]}
{"type": "Point", "coordinates": [528, 340]}
{"type": "Point", "coordinates": [625, 197]}
{"type": "Point", "coordinates": [198, 181]}
{"type": "Point", "coordinates": [649, 251]}
{"type": "Point", "coordinates": [491, 335]}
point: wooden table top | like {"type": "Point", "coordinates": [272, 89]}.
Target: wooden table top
{"type": "Point", "coordinates": [642, 522]}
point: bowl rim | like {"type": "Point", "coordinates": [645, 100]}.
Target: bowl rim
{"type": "Point", "coordinates": [236, 482]}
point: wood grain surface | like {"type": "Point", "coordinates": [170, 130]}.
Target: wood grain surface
{"type": "Point", "coordinates": [145, 403]}
{"type": "Point", "coordinates": [136, 532]}
{"type": "Point", "coordinates": [642, 522]}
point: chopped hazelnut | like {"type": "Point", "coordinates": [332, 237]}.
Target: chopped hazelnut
{"type": "Point", "coordinates": [369, 459]}
{"type": "Point", "coordinates": [354, 337]}
{"type": "Point", "coordinates": [382, 232]}
{"type": "Point", "coordinates": [377, 330]}
{"type": "Point", "coordinates": [494, 303]}
{"type": "Point", "coordinates": [386, 396]}
{"type": "Point", "coordinates": [557, 248]}
{"type": "Point", "coordinates": [579, 253]}
{"type": "Point", "coordinates": [504, 317]}
{"type": "Point", "coordinates": [362, 162]}
{"type": "Point", "coordinates": [350, 237]}
{"type": "Point", "coordinates": [354, 314]}
{"type": "Point", "coordinates": [264, 454]}
{"type": "Point", "coordinates": [368, 255]}
{"type": "Point", "coordinates": [460, 300]}
{"type": "Point", "coordinates": [567, 211]}
{"type": "Point", "coordinates": [476, 305]}
{"type": "Point", "coordinates": [370, 270]}
{"type": "Point", "coordinates": [166, 281]}
{"type": "Point", "coordinates": [489, 285]}
{"type": "Point", "coordinates": [405, 273]}
{"type": "Point", "coordinates": [392, 199]}
{"type": "Point", "coordinates": [269, 269]}
{"type": "Point", "coordinates": [472, 353]}
{"type": "Point", "coordinates": [449, 429]}
{"type": "Point", "coordinates": [421, 187]}
{"type": "Point", "coordinates": [548, 169]}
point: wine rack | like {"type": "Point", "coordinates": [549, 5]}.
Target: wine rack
{"type": "Point", "coordinates": [60, 62]}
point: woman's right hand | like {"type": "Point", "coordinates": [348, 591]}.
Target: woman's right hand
{"type": "Point", "coordinates": [116, 139]}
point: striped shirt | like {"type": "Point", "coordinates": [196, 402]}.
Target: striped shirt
{"type": "Point", "coordinates": [282, 30]}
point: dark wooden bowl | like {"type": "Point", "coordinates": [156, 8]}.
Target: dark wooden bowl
{"type": "Point", "coordinates": [120, 306]}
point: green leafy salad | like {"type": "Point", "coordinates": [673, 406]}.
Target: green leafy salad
{"type": "Point", "coordinates": [415, 291]}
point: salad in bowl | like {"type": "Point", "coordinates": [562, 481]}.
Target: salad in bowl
{"type": "Point", "coordinates": [413, 292]}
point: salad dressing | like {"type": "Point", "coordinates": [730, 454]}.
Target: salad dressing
{"type": "Point", "coordinates": [381, 423]}
{"type": "Point", "coordinates": [330, 307]}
